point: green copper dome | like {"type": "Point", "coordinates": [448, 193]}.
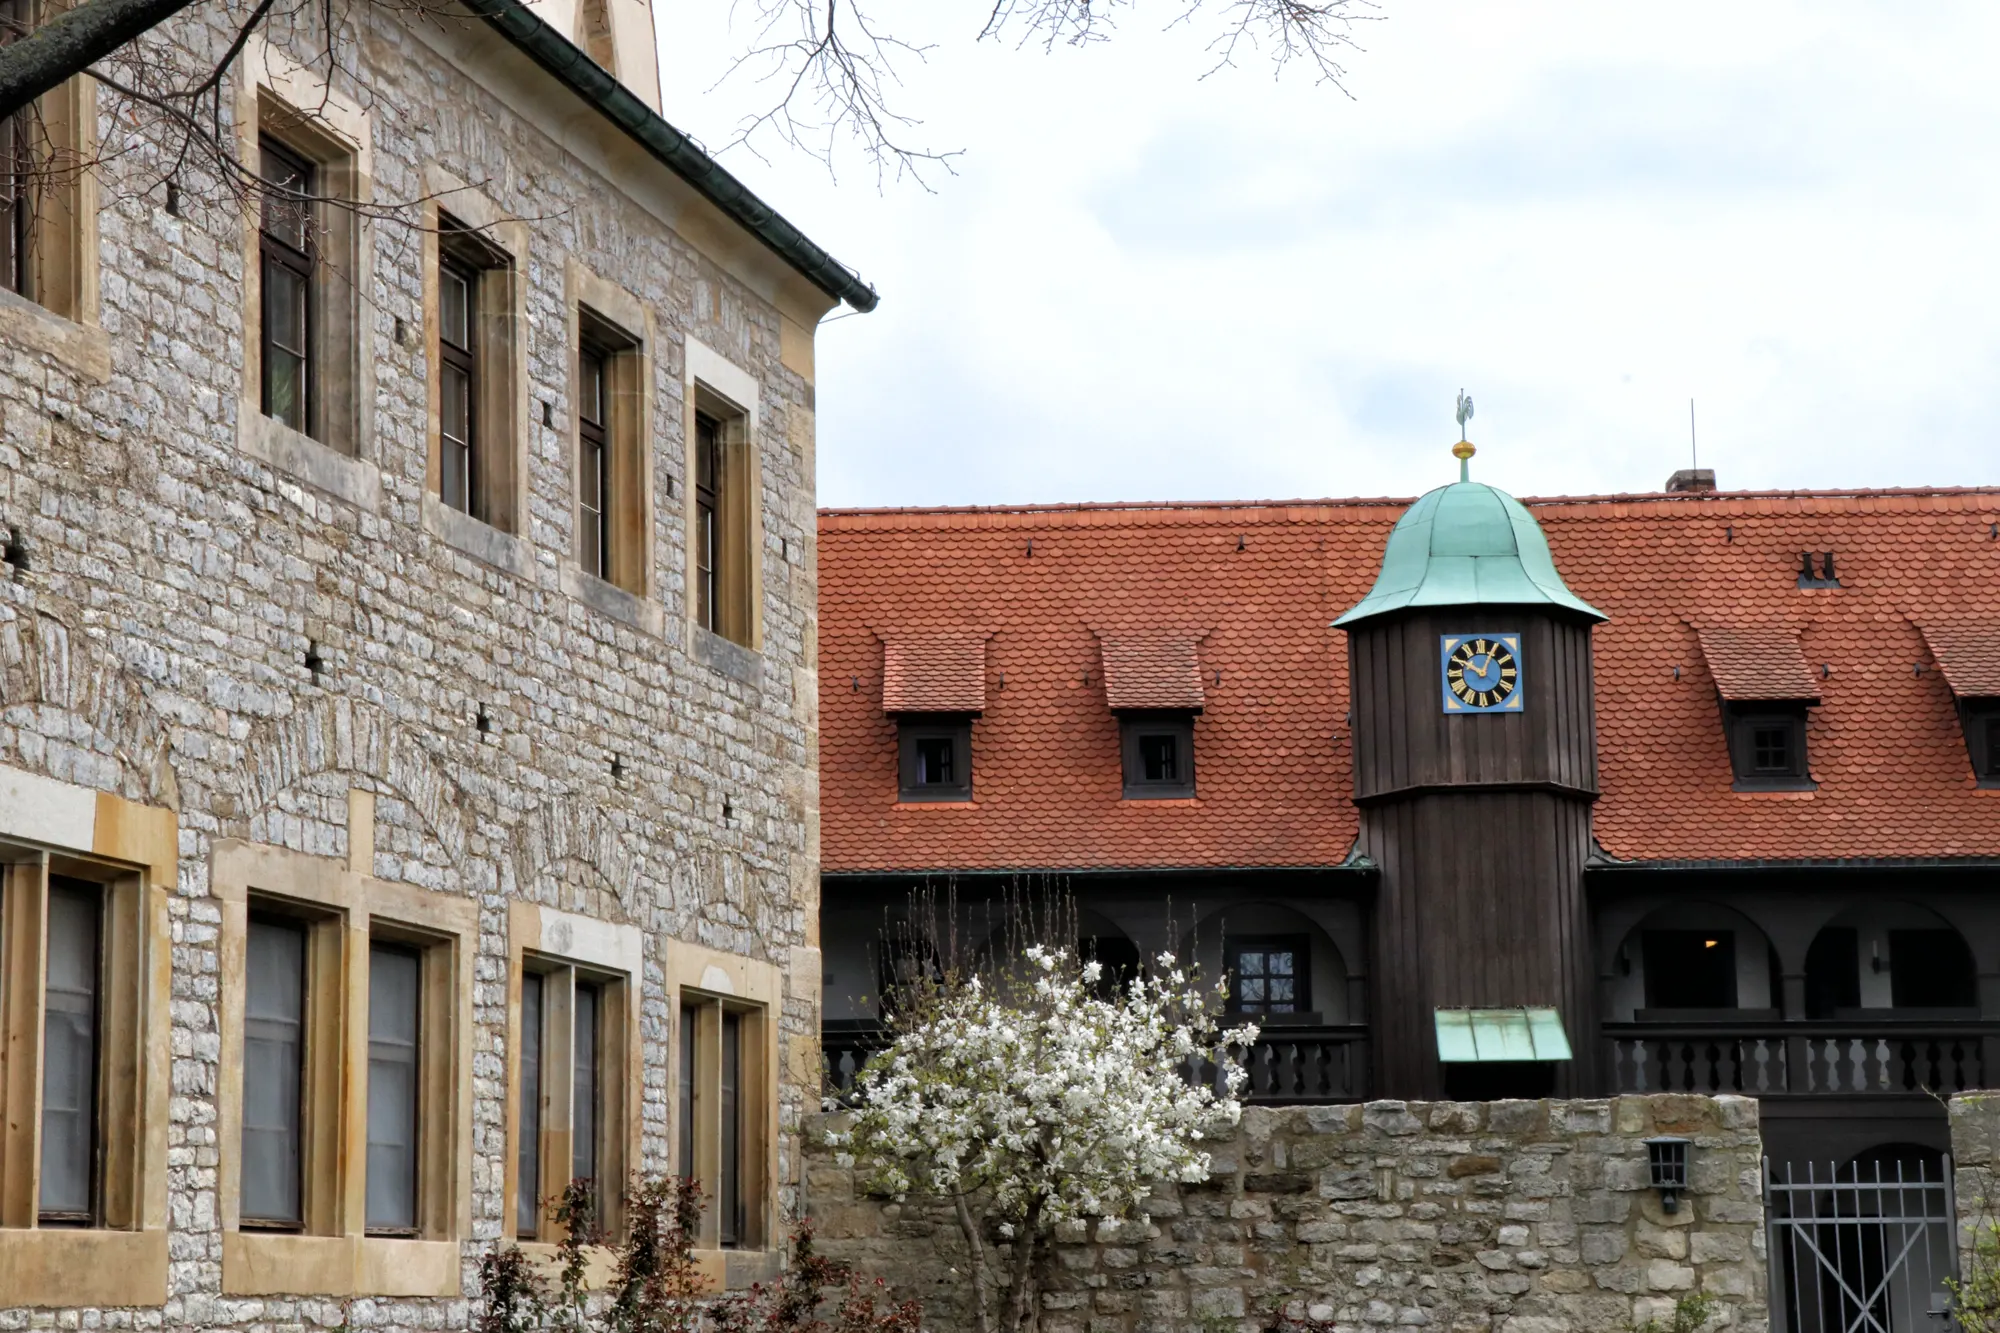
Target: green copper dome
{"type": "Point", "coordinates": [1466, 544]}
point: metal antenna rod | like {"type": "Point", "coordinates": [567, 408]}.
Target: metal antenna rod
{"type": "Point", "coordinates": [1694, 456]}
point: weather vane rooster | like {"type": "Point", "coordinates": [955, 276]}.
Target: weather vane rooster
{"type": "Point", "coordinates": [1463, 450]}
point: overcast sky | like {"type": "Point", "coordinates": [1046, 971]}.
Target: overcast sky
{"type": "Point", "coordinates": [1141, 285]}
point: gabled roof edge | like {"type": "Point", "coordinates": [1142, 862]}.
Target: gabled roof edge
{"type": "Point", "coordinates": [576, 71]}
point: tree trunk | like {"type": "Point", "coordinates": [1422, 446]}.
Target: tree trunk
{"type": "Point", "coordinates": [71, 42]}
{"type": "Point", "coordinates": [1023, 1307]}
{"type": "Point", "coordinates": [981, 1308]}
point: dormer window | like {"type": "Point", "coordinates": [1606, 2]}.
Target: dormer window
{"type": "Point", "coordinates": [1152, 680]}
{"type": "Point", "coordinates": [1158, 754]}
{"type": "Point", "coordinates": [936, 759]}
{"type": "Point", "coordinates": [1765, 688]}
{"type": "Point", "coordinates": [1968, 657]}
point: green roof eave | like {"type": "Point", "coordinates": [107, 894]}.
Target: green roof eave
{"type": "Point", "coordinates": [1466, 545]}
{"type": "Point", "coordinates": [560, 57]}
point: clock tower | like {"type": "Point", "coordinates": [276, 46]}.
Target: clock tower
{"type": "Point", "coordinates": [1475, 766]}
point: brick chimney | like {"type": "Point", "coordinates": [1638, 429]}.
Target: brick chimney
{"type": "Point", "coordinates": [1692, 479]}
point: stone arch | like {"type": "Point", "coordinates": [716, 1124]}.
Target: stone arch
{"type": "Point", "coordinates": [87, 711]}
{"type": "Point", "coordinates": [573, 842]}
{"type": "Point", "coordinates": [339, 735]}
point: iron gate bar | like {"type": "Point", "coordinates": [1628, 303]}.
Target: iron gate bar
{"type": "Point", "coordinates": [1802, 1236]}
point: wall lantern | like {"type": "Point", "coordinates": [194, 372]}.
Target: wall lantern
{"type": "Point", "coordinates": [1668, 1158]}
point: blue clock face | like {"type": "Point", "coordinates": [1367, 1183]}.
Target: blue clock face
{"type": "Point", "coordinates": [1481, 673]}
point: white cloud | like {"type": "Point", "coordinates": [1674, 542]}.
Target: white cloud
{"type": "Point", "coordinates": [1145, 285]}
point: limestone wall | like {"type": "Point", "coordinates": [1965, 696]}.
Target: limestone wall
{"type": "Point", "coordinates": [1508, 1217]}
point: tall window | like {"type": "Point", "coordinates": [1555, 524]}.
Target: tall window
{"type": "Point", "coordinates": [1267, 974]}
{"type": "Point", "coordinates": [286, 246]}
{"type": "Point", "coordinates": [593, 465]}
{"type": "Point", "coordinates": [17, 163]}
{"type": "Point", "coordinates": [571, 1079]}
{"type": "Point", "coordinates": [72, 1053]}
{"type": "Point", "coordinates": [722, 1091]}
{"type": "Point", "coordinates": [708, 477]}
{"type": "Point", "coordinates": [395, 997]}
{"type": "Point", "coordinates": [274, 1074]}
{"type": "Point", "coordinates": [69, 1042]}
{"type": "Point", "coordinates": [458, 374]}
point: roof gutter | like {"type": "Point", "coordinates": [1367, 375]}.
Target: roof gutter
{"type": "Point", "coordinates": [583, 76]}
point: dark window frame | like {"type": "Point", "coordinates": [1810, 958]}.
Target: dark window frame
{"type": "Point", "coordinates": [276, 916]}
{"type": "Point", "coordinates": [17, 169]}
{"type": "Point", "coordinates": [1299, 946]}
{"type": "Point", "coordinates": [1749, 727]}
{"type": "Point", "coordinates": [414, 953]}
{"type": "Point", "coordinates": [277, 253]}
{"type": "Point", "coordinates": [911, 733]}
{"type": "Point", "coordinates": [608, 1071]}
{"type": "Point", "coordinates": [465, 361]}
{"type": "Point", "coordinates": [1658, 944]}
{"type": "Point", "coordinates": [1980, 719]}
{"type": "Point", "coordinates": [92, 1214]}
{"type": "Point", "coordinates": [593, 436]}
{"type": "Point", "coordinates": [1135, 730]}
{"type": "Point", "coordinates": [710, 479]}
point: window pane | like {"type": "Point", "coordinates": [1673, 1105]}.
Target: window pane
{"type": "Point", "coordinates": [394, 983]}
{"type": "Point", "coordinates": [69, 1054]}
{"type": "Point", "coordinates": [455, 426]}
{"type": "Point", "coordinates": [729, 1189]}
{"type": "Point", "coordinates": [273, 1067]}
{"type": "Point", "coordinates": [584, 1092]}
{"type": "Point", "coordinates": [934, 761]}
{"type": "Point", "coordinates": [1158, 757]}
{"type": "Point", "coordinates": [455, 308]}
{"type": "Point", "coordinates": [704, 548]}
{"type": "Point", "coordinates": [590, 393]}
{"type": "Point", "coordinates": [287, 213]}
{"type": "Point", "coordinates": [707, 451]}
{"type": "Point", "coordinates": [686, 1110]}
{"type": "Point", "coordinates": [528, 1153]}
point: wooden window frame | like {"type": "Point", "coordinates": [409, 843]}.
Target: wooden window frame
{"type": "Point", "coordinates": [25, 880]}
{"type": "Point", "coordinates": [276, 253]}
{"type": "Point", "coordinates": [911, 732]}
{"type": "Point", "coordinates": [1300, 947]}
{"type": "Point", "coordinates": [712, 984]}
{"type": "Point", "coordinates": [339, 372]}
{"type": "Point", "coordinates": [134, 850]}
{"type": "Point", "coordinates": [346, 911]}
{"type": "Point", "coordinates": [50, 235]}
{"type": "Point", "coordinates": [1133, 729]}
{"type": "Point", "coordinates": [485, 256]}
{"type": "Point", "coordinates": [1743, 721]}
{"type": "Point", "coordinates": [623, 555]}
{"type": "Point", "coordinates": [552, 942]}
{"type": "Point", "coordinates": [728, 395]}
{"type": "Point", "coordinates": [561, 979]}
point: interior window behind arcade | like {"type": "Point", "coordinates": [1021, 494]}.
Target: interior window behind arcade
{"type": "Point", "coordinates": [1690, 969]}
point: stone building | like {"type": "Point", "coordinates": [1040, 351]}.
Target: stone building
{"type": "Point", "coordinates": [407, 683]}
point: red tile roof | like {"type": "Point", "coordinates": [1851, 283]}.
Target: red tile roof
{"type": "Point", "coordinates": [1759, 663]}
{"type": "Point", "coordinates": [925, 671]}
{"type": "Point", "coordinates": [1969, 656]}
{"type": "Point", "coordinates": [1152, 669]}
{"type": "Point", "coordinates": [1272, 746]}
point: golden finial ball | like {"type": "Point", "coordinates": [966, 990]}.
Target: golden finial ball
{"type": "Point", "coordinates": [1463, 450]}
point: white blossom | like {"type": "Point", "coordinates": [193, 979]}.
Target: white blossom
{"type": "Point", "coordinates": [1052, 1101]}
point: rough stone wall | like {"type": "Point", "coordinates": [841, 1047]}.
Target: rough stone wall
{"type": "Point", "coordinates": [156, 646]}
{"type": "Point", "coordinates": [1472, 1217]}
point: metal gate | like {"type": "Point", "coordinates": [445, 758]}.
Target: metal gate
{"type": "Point", "coordinates": [1861, 1248]}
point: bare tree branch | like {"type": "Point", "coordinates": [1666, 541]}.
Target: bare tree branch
{"type": "Point", "coordinates": [832, 69]}
{"type": "Point", "coordinates": [74, 40]}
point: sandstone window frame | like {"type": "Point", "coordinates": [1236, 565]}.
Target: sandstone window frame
{"type": "Point", "coordinates": [612, 324]}
{"type": "Point", "coordinates": [462, 226]}
{"type": "Point", "coordinates": [346, 912]}
{"type": "Point", "coordinates": [713, 985]}
{"type": "Point", "coordinates": [295, 108]}
{"type": "Point", "coordinates": [550, 942]}
{"type": "Point", "coordinates": [724, 517]}
{"type": "Point", "coordinates": [49, 298]}
{"type": "Point", "coordinates": [133, 850]}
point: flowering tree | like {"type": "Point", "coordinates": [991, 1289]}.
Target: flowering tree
{"type": "Point", "coordinates": [1041, 1099]}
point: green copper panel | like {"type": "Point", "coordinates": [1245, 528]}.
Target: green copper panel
{"type": "Point", "coordinates": [1466, 544]}
{"type": "Point", "coordinates": [1479, 1036]}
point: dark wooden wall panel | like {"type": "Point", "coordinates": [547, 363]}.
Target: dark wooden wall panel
{"type": "Point", "coordinates": [1481, 827]}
